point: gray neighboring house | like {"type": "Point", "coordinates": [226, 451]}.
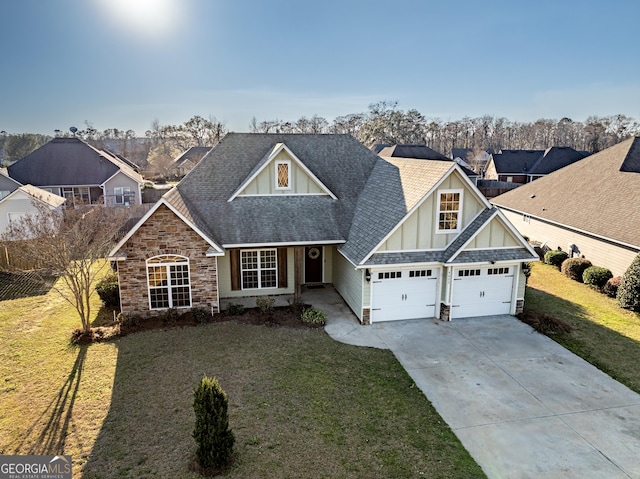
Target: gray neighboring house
{"type": "Point", "coordinates": [269, 214]}
{"type": "Point", "coordinates": [80, 173]}
{"type": "Point", "coordinates": [589, 208]}
{"type": "Point", "coordinates": [23, 200]}
{"type": "Point", "coordinates": [189, 159]}
{"type": "Point", "coordinates": [7, 185]}
{"type": "Point", "coordinates": [524, 166]}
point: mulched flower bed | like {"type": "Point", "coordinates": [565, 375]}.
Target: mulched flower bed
{"type": "Point", "coordinates": [280, 317]}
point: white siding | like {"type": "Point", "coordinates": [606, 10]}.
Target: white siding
{"type": "Point", "coordinates": [349, 283]}
{"type": "Point", "coordinates": [600, 253]}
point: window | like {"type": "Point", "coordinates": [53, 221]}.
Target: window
{"type": "Point", "coordinates": [76, 196]}
{"type": "Point", "coordinates": [449, 207]}
{"type": "Point", "coordinates": [168, 280]}
{"type": "Point", "coordinates": [259, 269]}
{"type": "Point", "coordinates": [283, 175]}
{"type": "Point", "coordinates": [122, 195]}
{"type": "Point", "coordinates": [390, 275]}
{"type": "Point", "coordinates": [498, 270]}
{"type": "Point", "coordinates": [468, 272]}
{"type": "Point", "coordinates": [420, 273]}
{"type": "Point", "coordinates": [509, 179]}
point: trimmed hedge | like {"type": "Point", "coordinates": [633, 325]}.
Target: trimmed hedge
{"type": "Point", "coordinates": [575, 267]}
{"type": "Point", "coordinates": [108, 290]}
{"type": "Point", "coordinates": [629, 290]}
{"type": "Point", "coordinates": [596, 276]}
{"type": "Point", "coordinates": [611, 287]}
{"type": "Point", "coordinates": [555, 257]}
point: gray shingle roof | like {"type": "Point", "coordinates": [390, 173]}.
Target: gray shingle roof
{"type": "Point", "coordinates": [486, 255]}
{"type": "Point", "coordinates": [598, 194]}
{"type": "Point", "coordinates": [193, 154]}
{"type": "Point", "coordinates": [516, 161]}
{"type": "Point", "coordinates": [339, 161]}
{"type": "Point", "coordinates": [555, 158]}
{"type": "Point", "coordinates": [420, 152]}
{"type": "Point", "coordinates": [67, 162]}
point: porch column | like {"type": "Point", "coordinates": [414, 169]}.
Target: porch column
{"type": "Point", "coordinates": [298, 268]}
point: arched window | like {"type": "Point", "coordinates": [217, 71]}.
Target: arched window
{"type": "Point", "coordinates": [168, 281]}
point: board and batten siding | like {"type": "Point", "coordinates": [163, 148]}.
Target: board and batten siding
{"type": "Point", "coordinates": [493, 235]}
{"type": "Point", "coordinates": [265, 182]}
{"type": "Point", "coordinates": [600, 253]}
{"type": "Point", "coordinates": [418, 231]}
{"type": "Point", "coordinates": [224, 279]}
{"type": "Point", "coordinates": [348, 281]}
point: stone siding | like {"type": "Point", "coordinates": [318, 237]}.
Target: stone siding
{"type": "Point", "coordinates": [366, 316]}
{"type": "Point", "coordinates": [165, 233]}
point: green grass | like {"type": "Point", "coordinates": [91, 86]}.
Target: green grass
{"type": "Point", "coordinates": [300, 404]}
{"type": "Point", "coordinates": [602, 333]}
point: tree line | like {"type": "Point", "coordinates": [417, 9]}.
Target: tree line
{"type": "Point", "coordinates": [383, 122]}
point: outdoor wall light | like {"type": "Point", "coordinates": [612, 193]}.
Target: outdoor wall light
{"type": "Point", "coordinates": [367, 275]}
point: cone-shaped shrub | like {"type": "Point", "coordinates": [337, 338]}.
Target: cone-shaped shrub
{"type": "Point", "coordinates": [629, 290]}
{"type": "Point", "coordinates": [214, 439]}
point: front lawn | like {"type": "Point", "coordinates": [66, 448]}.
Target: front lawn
{"type": "Point", "coordinates": [602, 333]}
{"type": "Point", "coordinates": [301, 404]}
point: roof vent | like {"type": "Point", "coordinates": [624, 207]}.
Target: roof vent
{"type": "Point", "coordinates": [532, 196]}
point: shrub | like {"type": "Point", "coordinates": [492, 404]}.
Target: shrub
{"type": "Point", "coordinates": [214, 439]}
{"type": "Point", "coordinates": [200, 315]}
{"type": "Point", "coordinates": [596, 276]}
{"type": "Point", "coordinates": [555, 257]}
{"type": "Point", "coordinates": [629, 290]}
{"type": "Point", "coordinates": [169, 316]}
{"type": "Point", "coordinates": [574, 267]}
{"type": "Point", "coordinates": [234, 309]}
{"type": "Point", "coordinates": [129, 320]}
{"type": "Point", "coordinates": [265, 304]}
{"type": "Point", "coordinates": [526, 270]}
{"type": "Point", "coordinates": [108, 290]}
{"type": "Point", "coordinates": [313, 315]}
{"type": "Point", "coordinates": [296, 306]}
{"type": "Point", "coordinates": [611, 287]}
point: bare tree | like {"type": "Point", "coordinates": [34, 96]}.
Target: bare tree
{"type": "Point", "coordinates": [71, 244]}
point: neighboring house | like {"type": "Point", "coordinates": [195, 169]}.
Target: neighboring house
{"type": "Point", "coordinates": [523, 166]}
{"type": "Point", "coordinates": [266, 214]}
{"type": "Point", "coordinates": [7, 185]}
{"type": "Point", "coordinates": [190, 158]}
{"type": "Point", "coordinates": [420, 152]}
{"type": "Point", "coordinates": [589, 208]}
{"type": "Point", "coordinates": [25, 200]}
{"type": "Point", "coordinates": [80, 173]}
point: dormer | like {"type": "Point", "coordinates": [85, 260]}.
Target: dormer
{"type": "Point", "coordinates": [281, 172]}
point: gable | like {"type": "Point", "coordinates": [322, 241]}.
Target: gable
{"type": "Point", "coordinates": [494, 234]}
{"type": "Point", "coordinates": [419, 230]}
{"type": "Point", "coordinates": [282, 173]}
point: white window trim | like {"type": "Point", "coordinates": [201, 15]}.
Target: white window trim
{"type": "Point", "coordinates": [259, 269]}
{"type": "Point", "coordinates": [120, 191]}
{"type": "Point", "coordinates": [283, 162]}
{"type": "Point", "coordinates": [169, 286]}
{"type": "Point", "coordinates": [458, 223]}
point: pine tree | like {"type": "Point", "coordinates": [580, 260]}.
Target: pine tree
{"type": "Point", "coordinates": [629, 290]}
{"type": "Point", "coordinates": [214, 439]}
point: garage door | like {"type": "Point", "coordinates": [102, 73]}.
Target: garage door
{"type": "Point", "coordinates": [482, 291]}
{"type": "Point", "coordinates": [403, 294]}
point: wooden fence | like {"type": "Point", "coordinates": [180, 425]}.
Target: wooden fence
{"type": "Point", "coordinates": [11, 260]}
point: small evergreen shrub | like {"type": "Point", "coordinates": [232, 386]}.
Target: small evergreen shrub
{"type": "Point", "coordinates": [200, 315]}
{"type": "Point", "coordinates": [296, 306]}
{"type": "Point", "coordinates": [526, 270]}
{"type": "Point", "coordinates": [108, 290]}
{"type": "Point", "coordinates": [169, 316]}
{"type": "Point", "coordinates": [555, 257]}
{"type": "Point", "coordinates": [214, 439]}
{"type": "Point", "coordinates": [574, 268]}
{"type": "Point", "coordinates": [129, 321]}
{"type": "Point", "coordinates": [596, 276]}
{"type": "Point", "coordinates": [234, 309]}
{"type": "Point", "coordinates": [313, 315]}
{"type": "Point", "coordinates": [611, 287]}
{"type": "Point", "coordinates": [265, 304]}
{"type": "Point", "coordinates": [629, 290]}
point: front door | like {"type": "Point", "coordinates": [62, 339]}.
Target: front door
{"type": "Point", "coordinates": [313, 262]}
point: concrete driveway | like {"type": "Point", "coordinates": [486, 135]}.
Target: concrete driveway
{"type": "Point", "coordinates": [522, 405]}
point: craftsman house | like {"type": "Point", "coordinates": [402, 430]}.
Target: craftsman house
{"type": "Point", "coordinates": [588, 209]}
{"type": "Point", "coordinates": [80, 173]}
{"type": "Point", "coordinates": [271, 214]}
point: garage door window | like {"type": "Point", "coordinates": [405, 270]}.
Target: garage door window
{"type": "Point", "coordinates": [498, 270]}
{"type": "Point", "coordinates": [390, 275]}
{"type": "Point", "coordinates": [469, 272]}
{"type": "Point", "coordinates": [421, 273]}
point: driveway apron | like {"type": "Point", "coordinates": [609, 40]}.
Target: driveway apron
{"type": "Point", "coordinates": [522, 405]}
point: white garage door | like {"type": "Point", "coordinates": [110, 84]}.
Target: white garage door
{"type": "Point", "coordinates": [403, 294]}
{"type": "Point", "coordinates": [482, 291]}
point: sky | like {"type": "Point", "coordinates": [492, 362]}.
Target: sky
{"type": "Point", "coordinates": [126, 63]}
